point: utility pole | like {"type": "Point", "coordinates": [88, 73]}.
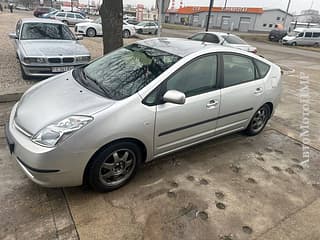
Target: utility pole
{"type": "Point", "coordinates": [160, 5]}
{"type": "Point", "coordinates": [286, 16]}
{"type": "Point", "coordinates": [209, 15]}
{"type": "Point", "coordinates": [225, 4]}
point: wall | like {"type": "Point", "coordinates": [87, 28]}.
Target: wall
{"type": "Point", "coordinates": [270, 18]}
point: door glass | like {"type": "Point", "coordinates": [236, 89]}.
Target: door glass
{"type": "Point", "coordinates": [237, 69]}
{"type": "Point", "coordinates": [61, 14]}
{"type": "Point", "coordinates": [79, 16]}
{"type": "Point", "coordinates": [198, 37]}
{"type": "Point", "coordinates": [308, 34]}
{"type": "Point", "coordinates": [211, 38]}
{"type": "Point", "coordinates": [70, 15]}
{"type": "Point", "coordinates": [300, 34]}
{"type": "Point", "coordinates": [197, 77]}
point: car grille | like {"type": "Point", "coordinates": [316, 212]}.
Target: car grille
{"type": "Point", "coordinates": [68, 59]}
{"type": "Point", "coordinates": [54, 60]}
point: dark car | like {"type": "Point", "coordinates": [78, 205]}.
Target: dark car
{"type": "Point", "coordinates": [277, 35]}
{"type": "Point", "coordinates": [43, 10]}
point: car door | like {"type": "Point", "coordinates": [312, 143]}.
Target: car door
{"type": "Point", "coordinates": [177, 126]}
{"type": "Point", "coordinates": [79, 18]}
{"type": "Point", "coordinates": [70, 18]}
{"type": "Point", "coordinates": [242, 92]}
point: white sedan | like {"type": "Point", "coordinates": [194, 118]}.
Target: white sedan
{"type": "Point", "coordinates": [92, 29]}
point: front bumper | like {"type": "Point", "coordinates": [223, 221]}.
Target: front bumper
{"type": "Point", "coordinates": [48, 167]}
{"type": "Point", "coordinates": [44, 71]}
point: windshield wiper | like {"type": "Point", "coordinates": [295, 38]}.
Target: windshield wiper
{"type": "Point", "coordinates": [105, 91]}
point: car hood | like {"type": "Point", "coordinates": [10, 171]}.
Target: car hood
{"type": "Point", "coordinates": [47, 48]}
{"type": "Point", "coordinates": [288, 38]}
{"type": "Point", "coordinates": [55, 99]}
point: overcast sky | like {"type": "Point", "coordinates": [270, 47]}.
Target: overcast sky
{"type": "Point", "coordinates": [296, 5]}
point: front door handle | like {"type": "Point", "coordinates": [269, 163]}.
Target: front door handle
{"type": "Point", "coordinates": [212, 103]}
{"type": "Point", "coordinates": [259, 90]}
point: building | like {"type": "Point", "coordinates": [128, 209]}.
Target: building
{"type": "Point", "coordinates": [308, 16]}
{"type": "Point", "coordinates": [231, 18]}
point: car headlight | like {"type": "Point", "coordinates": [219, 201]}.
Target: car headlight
{"type": "Point", "coordinates": [83, 59]}
{"type": "Point", "coordinates": [60, 130]}
{"type": "Point", "coordinates": [29, 60]}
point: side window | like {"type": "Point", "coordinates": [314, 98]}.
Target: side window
{"type": "Point", "coordinates": [316, 34]}
{"type": "Point", "coordinates": [198, 37]}
{"type": "Point", "coordinates": [262, 68]}
{"type": "Point", "coordinates": [308, 34]}
{"type": "Point", "coordinates": [300, 34]}
{"type": "Point", "coordinates": [61, 14]}
{"type": "Point", "coordinates": [197, 77]}
{"type": "Point", "coordinates": [70, 15]}
{"type": "Point", "coordinates": [237, 69]}
{"type": "Point", "coordinates": [79, 16]}
{"type": "Point", "coordinates": [212, 38]}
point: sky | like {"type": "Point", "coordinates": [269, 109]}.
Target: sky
{"type": "Point", "coordinates": [295, 7]}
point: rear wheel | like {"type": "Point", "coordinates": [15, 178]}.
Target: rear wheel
{"type": "Point", "coordinates": [91, 32]}
{"type": "Point", "coordinates": [316, 44]}
{"type": "Point", "coordinates": [114, 166]}
{"type": "Point", "coordinates": [126, 33]}
{"type": "Point", "coordinates": [259, 120]}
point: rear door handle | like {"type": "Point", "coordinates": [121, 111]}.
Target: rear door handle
{"type": "Point", "coordinates": [212, 103]}
{"type": "Point", "coordinates": [258, 90]}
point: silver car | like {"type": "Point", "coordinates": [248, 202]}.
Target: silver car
{"type": "Point", "coordinates": [97, 124]}
{"type": "Point", "coordinates": [146, 27]}
{"type": "Point", "coordinates": [225, 39]}
{"type": "Point", "coordinates": [46, 47]}
{"type": "Point", "coordinates": [70, 18]}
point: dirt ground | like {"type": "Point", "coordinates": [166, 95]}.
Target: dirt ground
{"type": "Point", "coordinates": [231, 188]}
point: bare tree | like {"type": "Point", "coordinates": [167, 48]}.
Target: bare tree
{"type": "Point", "coordinates": [111, 12]}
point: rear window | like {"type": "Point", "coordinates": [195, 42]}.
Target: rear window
{"type": "Point", "coordinates": [316, 34]}
{"type": "Point", "coordinates": [232, 39]}
{"type": "Point", "coordinates": [262, 67]}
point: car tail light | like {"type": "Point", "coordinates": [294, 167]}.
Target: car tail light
{"type": "Point", "coordinates": [254, 51]}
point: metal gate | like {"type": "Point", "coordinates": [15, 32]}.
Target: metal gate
{"type": "Point", "coordinates": [225, 23]}
{"type": "Point", "coordinates": [244, 24]}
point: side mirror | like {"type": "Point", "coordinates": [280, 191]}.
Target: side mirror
{"type": "Point", "coordinates": [13, 35]}
{"type": "Point", "coordinates": [79, 37]}
{"type": "Point", "coordinates": [173, 96]}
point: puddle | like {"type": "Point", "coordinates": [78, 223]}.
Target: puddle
{"type": "Point", "coordinates": [171, 194]}
{"type": "Point", "coordinates": [219, 195]}
{"type": "Point", "coordinates": [204, 181]}
{"type": "Point", "coordinates": [276, 168]}
{"type": "Point", "coordinates": [235, 169]}
{"type": "Point", "coordinates": [290, 171]}
{"type": "Point", "coordinates": [251, 180]}
{"type": "Point", "coordinates": [202, 215]}
{"type": "Point", "coordinates": [247, 229]}
{"type": "Point", "coordinates": [220, 205]}
{"type": "Point", "coordinates": [190, 178]}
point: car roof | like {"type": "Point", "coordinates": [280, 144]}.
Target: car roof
{"type": "Point", "coordinates": [180, 46]}
{"type": "Point", "coordinates": [41, 20]}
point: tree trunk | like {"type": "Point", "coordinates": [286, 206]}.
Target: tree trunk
{"type": "Point", "coordinates": [111, 12]}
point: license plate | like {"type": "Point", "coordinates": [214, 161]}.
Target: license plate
{"type": "Point", "coordinates": [61, 69]}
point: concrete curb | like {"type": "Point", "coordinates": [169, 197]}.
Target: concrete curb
{"type": "Point", "coordinates": [10, 97]}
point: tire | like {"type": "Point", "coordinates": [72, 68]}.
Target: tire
{"type": "Point", "coordinates": [258, 121]}
{"type": "Point", "coordinates": [91, 32]}
{"type": "Point", "coordinates": [316, 44]}
{"type": "Point", "coordinates": [65, 22]}
{"type": "Point", "coordinates": [126, 34]}
{"type": "Point", "coordinates": [114, 166]}
{"type": "Point", "coordinates": [294, 44]}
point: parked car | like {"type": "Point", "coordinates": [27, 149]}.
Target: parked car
{"type": "Point", "coordinates": [70, 18]}
{"type": "Point", "coordinates": [131, 21]}
{"type": "Point", "coordinates": [92, 29]}
{"type": "Point", "coordinates": [303, 37]}
{"type": "Point", "coordinates": [22, 8]}
{"type": "Point", "coordinates": [42, 10]}
{"type": "Point", "coordinates": [146, 27]}
{"type": "Point", "coordinates": [276, 35]}
{"type": "Point", "coordinates": [46, 47]}
{"type": "Point", "coordinates": [98, 123]}
{"type": "Point", "coordinates": [225, 39]}
{"type": "Point", "coordinates": [48, 15]}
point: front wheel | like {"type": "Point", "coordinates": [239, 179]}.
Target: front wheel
{"type": "Point", "coordinates": [126, 34]}
{"type": "Point", "coordinates": [259, 121]}
{"type": "Point", "coordinates": [91, 32]}
{"type": "Point", "coordinates": [294, 44]}
{"type": "Point", "coordinates": [114, 166]}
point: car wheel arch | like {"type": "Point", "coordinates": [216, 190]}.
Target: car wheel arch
{"type": "Point", "coordinates": [139, 143]}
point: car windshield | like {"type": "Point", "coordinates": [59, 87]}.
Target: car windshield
{"type": "Point", "coordinates": [234, 39]}
{"type": "Point", "coordinates": [39, 30]}
{"type": "Point", "coordinates": [125, 71]}
{"type": "Point", "coordinates": [293, 33]}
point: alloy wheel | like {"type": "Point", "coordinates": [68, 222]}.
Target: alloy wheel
{"type": "Point", "coordinates": [117, 167]}
{"type": "Point", "coordinates": [259, 119]}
